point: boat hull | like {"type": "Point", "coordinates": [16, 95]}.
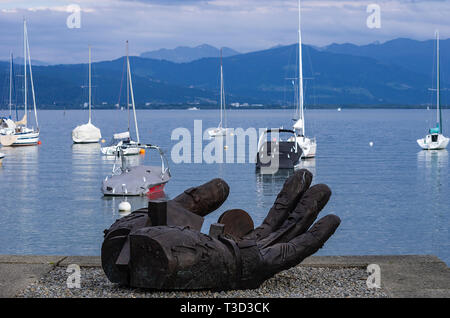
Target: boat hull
{"type": "Point", "coordinates": [127, 151]}
{"type": "Point", "coordinates": [77, 141]}
{"type": "Point", "coordinates": [278, 155]}
{"type": "Point", "coordinates": [20, 139]}
{"type": "Point", "coordinates": [136, 181]}
{"type": "Point", "coordinates": [309, 147]}
{"type": "Point", "coordinates": [217, 132]}
{"type": "Point", "coordinates": [433, 142]}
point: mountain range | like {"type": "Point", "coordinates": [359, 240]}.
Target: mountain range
{"type": "Point", "coordinates": [184, 54]}
{"type": "Point", "coordinates": [395, 73]}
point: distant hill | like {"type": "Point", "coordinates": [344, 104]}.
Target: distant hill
{"type": "Point", "coordinates": [184, 54]}
{"type": "Point", "coordinates": [417, 56]}
{"type": "Point", "coordinates": [399, 72]}
{"type": "Point", "coordinates": [19, 61]}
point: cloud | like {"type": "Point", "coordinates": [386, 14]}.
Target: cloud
{"type": "Point", "coordinates": [244, 25]}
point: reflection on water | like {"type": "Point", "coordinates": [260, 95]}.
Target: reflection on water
{"type": "Point", "coordinates": [269, 185]}
{"type": "Point", "coordinates": [433, 174]}
{"type": "Point", "coordinates": [85, 164]}
{"type": "Point", "coordinates": [86, 150]}
{"type": "Point", "coordinates": [432, 164]}
{"type": "Point", "coordinates": [20, 167]}
{"type": "Point", "coordinates": [111, 204]}
{"type": "Point", "coordinates": [432, 158]}
{"type": "Point", "coordinates": [309, 164]}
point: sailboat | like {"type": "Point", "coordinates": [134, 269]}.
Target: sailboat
{"type": "Point", "coordinates": [123, 139]}
{"type": "Point", "coordinates": [308, 145]}
{"type": "Point", "coordinates": [435, 140]}
{"type": "Point", "coordinates": [87, 133]}
{"type": "Point", "coordinates": [220, 130]}
{"type": "Point", "coordinates": [18, 133]}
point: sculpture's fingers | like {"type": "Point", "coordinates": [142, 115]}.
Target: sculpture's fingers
{"type": "Point", "coordinates": [204, 199]}
{"type": "Point", "coordinates": [302, 217]}
{"type": "Point", "coordinates": [283, 256]}
{"type": "Point", "coordinates": [293, 189]}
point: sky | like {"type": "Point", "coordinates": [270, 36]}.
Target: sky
{"type": "Point", "coordinates": [244, 25]}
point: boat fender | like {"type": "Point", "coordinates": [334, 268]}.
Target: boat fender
{"type": "Point", "coordinates": [124, 206]}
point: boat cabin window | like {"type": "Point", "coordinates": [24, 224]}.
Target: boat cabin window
{"type": "Point", "coordinates": [434, 138]}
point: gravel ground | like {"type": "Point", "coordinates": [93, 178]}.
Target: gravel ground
{"type": "Point", "coordinates": [297, 282]}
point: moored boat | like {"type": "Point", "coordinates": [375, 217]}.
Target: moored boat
{"type": "Point", "coordinates": [87, 133]}
{"type": "Point", "coordinates": [123, 140]}
{"type": "Point", "coordinates": [137, 180]}
{"type": "Point", "coordinates": [278, 149]}
{"type": "Point", "coordinates": [435, 140]}
{"type": "Point", "coordinates": [17, 133]}
{"type": "Point", "coordinates": [221, 129]}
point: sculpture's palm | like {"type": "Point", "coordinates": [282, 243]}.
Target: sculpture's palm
{"type": "Point", "coordinates": [174, 256]}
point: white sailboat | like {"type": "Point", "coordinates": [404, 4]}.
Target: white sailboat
{"type": "Point", "coordinates": [220, 130]}
{"type": "Point", "coordinates": [308, 145]}
{"type": "Point", "coordinates": [124, 138]}
{"type": "Point", "coordinates": [87, 133]}
{"type": "Point", "coordinates": [18, 133]}
{"type": "Point", "coordinates": [435, 140]}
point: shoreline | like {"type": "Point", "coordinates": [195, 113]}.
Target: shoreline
{"type": "Point", "coordinates": [402, 276]}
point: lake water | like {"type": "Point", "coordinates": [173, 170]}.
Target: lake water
{"type": "Point", "coordinates": [392, 197]}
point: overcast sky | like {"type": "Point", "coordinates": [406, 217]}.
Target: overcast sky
{"type": "Point", "coordinates": [244, 25]}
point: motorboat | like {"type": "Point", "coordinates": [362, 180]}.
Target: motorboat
{"type": "Point", "coordinates": [278, 149]}
{"type": "Point", "coordinates": [137, 180]}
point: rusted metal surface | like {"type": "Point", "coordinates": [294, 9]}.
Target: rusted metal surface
{"type": "Point", "coordinates": [237, 223]}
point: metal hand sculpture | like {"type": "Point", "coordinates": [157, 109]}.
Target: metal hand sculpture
{"type": "Point", "coordinates": [163, 248]}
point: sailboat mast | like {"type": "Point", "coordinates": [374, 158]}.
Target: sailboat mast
{"type": "Point", "coordinates": [128, 88]}
{"type": "Point", "coordinates": [90, 83]}
{"type": "Point", "coordinates": [300, 70]}
{"type": "Point", "coordinates": [224, 102]}
{"type": "Point", "coordinates": [32, 83]}
{"type": "Point", "coordinates": [438, 102]}
{"type": "Point", "coordinates": [221, 89]}
{"type": "Point", "coordinates": [25, 65]}
{"type": "Point", "coordinates": [10, 84]}
{"type": "Point", "coordinates": [132, 99]}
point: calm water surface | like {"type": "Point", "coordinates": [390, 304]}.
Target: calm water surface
{"type": "Point", "coordinates": [392, 197]}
